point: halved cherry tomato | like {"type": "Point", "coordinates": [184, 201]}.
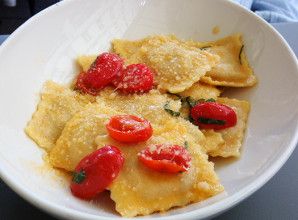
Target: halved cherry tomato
{"type": "Point", "coordinates": [96, 171]}
{"type": "Point", "coordinates": [212, 115]}
{"type": "Point", "coordinates": [165, 158]}
{"type": "Point", "coordinates": [129, 128]}
{"type": "Point", "coordinates": [102, 72]}
{"type": "Point", "coordinates": [135, 78]}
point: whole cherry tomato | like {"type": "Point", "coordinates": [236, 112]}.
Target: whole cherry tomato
{"type": "Point", "coordinates": [96, 171]}
{"type": "Point", "coordinates": [81, 86]}
{"type": "Point", "coordinates": [102, 72]}
{"type": "Point", "coordinates": [212, 115]}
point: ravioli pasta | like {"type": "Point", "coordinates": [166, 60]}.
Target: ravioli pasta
{"type": "Point", "coordinates": [58, 104]}
{"type": "Point", "coordinates": [233, 137]}
{"type": "Point", "coordinates": [138, 190]}
{"type": "Point", "coordinates": [177, 65]}
{"type": "Point", "coordinates": [233, 69]}
{"type": "Point", "coordinates": [78, 136]}
{"type": "Point", "coordinates": [85, 62]}
{"type": "Point", "coordinates": [70, 125]}
{"type": "Point", "coordinates": [201, 90]}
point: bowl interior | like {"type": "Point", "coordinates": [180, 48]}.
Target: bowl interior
{"type": "Point", "coordinates": [46, 47]}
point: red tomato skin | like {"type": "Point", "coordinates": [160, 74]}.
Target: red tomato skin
{"type": "Point", "coordinates": [101, 168]}
{"type": "Point", "coordinates": [168, 159]}
{"type": "Point", "coordinates": [216, 111]}
{"type": "Point", "coordinates": [101, 73]}
{"type": "Point", "coordinates": [129, 128]}
{"type": "Point", "coordinates": [80, 85]}
{"type": "Point", "coordinates": [135, 78]}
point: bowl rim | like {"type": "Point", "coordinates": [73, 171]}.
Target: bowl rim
{"type": "Point", "coordinates": [208, 211]}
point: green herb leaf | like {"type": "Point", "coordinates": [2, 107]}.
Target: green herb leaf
{"type": "Point", "coordinates": [210, 100]}
{"type": "Point", "coordinates": [240, 52]}
{"type": "Point", "coordinates": [211, 121]}
{"type": "Point", "coordinates": [191, 102]}
{"type": "Point", "coordinates": [79, 177]}
{"type": "Point", "coordinates": [186, 145]}
{"type": "Point", "coordinates": [170, 111]}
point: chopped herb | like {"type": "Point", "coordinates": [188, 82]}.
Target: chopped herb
{"type": "Point", "coordinates": [241, 49]}
{"type": "Point", "coordinates": [191, 102]}
{"type": "Point", "coordinates": [205, 47]}
{"type": "Point", "coordinates": [79, 177]}
{"type": "Point", "coordinates": [186, 145]}
{"type": "Point", "coordinates": [188, 102]}
{"type": "Point", "coordinates": [170, 111]}
{"type": "Point", "coordinates": [210, 100]}
{"type": "Point", "coordinates": [211, 121]}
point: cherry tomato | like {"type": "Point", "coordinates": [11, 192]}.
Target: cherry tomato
{"type": "Point", "coordinates": [129, 128]}
{"type": "Point", "coordinates": [212, 115]}
{"type": "Point", "coordinates": [102, 72]}
{"type": "Point", "coordinates": [80, 85]}
{"type": "Point", "coordinates": [96, 171]}
{"type": "Point", "coordinates": [135, 78]}
{"type": "Point", "coordinates": [165, 158]}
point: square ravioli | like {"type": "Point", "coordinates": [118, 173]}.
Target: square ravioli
{"type": "Point", "coordinates": [138, 190]}
{"type": "Point", "coordinates": [148, 105]}
{"type": "Point", "coordinates": [232, 137]}
{"type": "Point", "coordinates": [201, 90]}
{"type": "Point", "coordinates": [78, 136]}
{"type": "Point", "coordinates": [233, 68]}
{"type": "Point", "coordinates": [130, 50]}
{"type": "Point", "coordinates": [177, 65]}
{"type": "Point", "coordinates": [57, 105]}
{"type": "Point", "coordinates": [196, 92]}
{"type": "Point", "coordinates": [212, 141]}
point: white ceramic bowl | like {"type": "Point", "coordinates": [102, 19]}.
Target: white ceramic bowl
{"type": "Point", "coordinates": [45, 48]}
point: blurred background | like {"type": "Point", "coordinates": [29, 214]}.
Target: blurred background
{"type": "Point", "coordinates": [15, 12]}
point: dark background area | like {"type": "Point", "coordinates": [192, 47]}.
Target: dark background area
{"type": "Point", "coordinates": [12, 17]}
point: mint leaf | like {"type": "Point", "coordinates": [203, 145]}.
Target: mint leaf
{"type": "Point", "coordinates": [210, 100]}
{"type": "Point", "coordinates": [170, 111]}
{"type": "Point", "coordinates": [191, 102]}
